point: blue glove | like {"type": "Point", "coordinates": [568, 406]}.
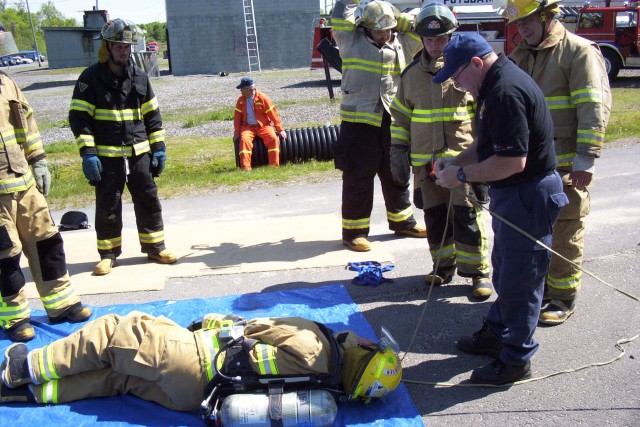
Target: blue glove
{"type": "Point", "coordinates": [43, 176]}
{"type": "Point", "coordinates": [91, 167]}
{"type": "Point", "coordinates": [158, 162]}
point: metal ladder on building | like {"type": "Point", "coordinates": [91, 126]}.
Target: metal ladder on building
{"type": "Point", "coordinates": [253, 53]}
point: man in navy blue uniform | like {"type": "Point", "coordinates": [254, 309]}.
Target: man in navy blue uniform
{"type": "Point", "coordinates": [514, 153]}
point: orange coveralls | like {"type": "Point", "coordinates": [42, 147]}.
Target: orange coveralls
{"type": "Point", "coordinates": [266, 114]}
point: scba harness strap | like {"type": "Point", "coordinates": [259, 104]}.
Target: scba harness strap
{"type": "Point", "coordinates": [369, 273]}
{"type": "Point", "coordinates": [237, 376]}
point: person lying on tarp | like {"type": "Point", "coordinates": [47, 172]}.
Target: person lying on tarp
{"type": "Point", "coordinates": [157, 360]}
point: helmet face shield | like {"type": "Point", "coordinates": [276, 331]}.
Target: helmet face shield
{"type": "Point", "coordinates": [435, 20]}
{"type": "Point", "coordinates": [120, 31]}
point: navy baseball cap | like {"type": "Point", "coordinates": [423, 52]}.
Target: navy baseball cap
{"type": "Point", "coordinates": [459, 51]}
{"type": "Point", "coordinates": [245, 82]}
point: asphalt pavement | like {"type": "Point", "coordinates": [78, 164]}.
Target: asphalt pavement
{"type": "Point", "coordinates": [588, 395]}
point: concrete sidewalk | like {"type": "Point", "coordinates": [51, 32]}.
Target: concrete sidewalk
{"type": "Point", "coordinates": [605, 395]}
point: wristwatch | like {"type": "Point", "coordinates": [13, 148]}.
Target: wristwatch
{"type": "Point", "coordinates": [461, 176]}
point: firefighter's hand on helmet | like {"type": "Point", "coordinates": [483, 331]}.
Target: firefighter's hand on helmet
{"type": "Point", "coordinates": [158, 162]}
{"type": "Point", "coordinates": [43, 176]}
{"type": "Point", "coordinates": [400, 168]}
{"type": "Point", "coordinates": [92, 167]}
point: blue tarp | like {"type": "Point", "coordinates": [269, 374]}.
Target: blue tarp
{"type": "Point", "coordinates": [330, 305]}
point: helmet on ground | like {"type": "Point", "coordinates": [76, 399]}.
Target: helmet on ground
{"type": "Point", "coordinates": [120, 31]}
{"type": "Point", "coordinates": [379, 15]}
{"type": "Point", "coordinates": [435, 20]}
{"type": "Point", "coordinates": [516, 10]}
{"type": "Point", "coordinates": [370, 372]}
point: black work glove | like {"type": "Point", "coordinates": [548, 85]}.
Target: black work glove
{"type": "Point", "coordinates": [400, 167]}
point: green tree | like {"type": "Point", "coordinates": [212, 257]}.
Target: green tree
{"type": "Point", "coordinates": [16, 20]}
{"type": "Point", "coordinates": [156, 31]}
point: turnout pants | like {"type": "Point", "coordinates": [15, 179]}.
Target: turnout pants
{"type": "Point", "coordinates": [362, 152]}
{"type": "Point", "coordinates": [520, 264]}
{"type": "Point", "coordinates": [462, 240]}
{"type": "Point", "coordinates": [150, 357]}
{"type": "Point", "coordinates": [26, 226]}
{"type": "Point", "coordinates": [564, 279]}
{"type": "Point", "coordinates": [271, 141]}
{"type": "Point", "coordinates": [146, 205]}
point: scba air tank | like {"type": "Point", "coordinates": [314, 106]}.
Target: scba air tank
{"type": "Point", "coordinates": [306, 408]}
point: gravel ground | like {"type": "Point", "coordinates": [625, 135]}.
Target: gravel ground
{"type": "Point", "coordinates": [300, 95]}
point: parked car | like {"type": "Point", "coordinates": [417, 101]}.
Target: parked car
{"type": "Point", "coordinates": [24, 60]}
{"type": "Point", "coordinates": [8, 60]}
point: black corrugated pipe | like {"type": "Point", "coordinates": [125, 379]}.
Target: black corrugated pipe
{"type": "Point", "coordinates": [301, 145]}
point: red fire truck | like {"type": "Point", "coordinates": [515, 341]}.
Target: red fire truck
{"type": "Point", "coordinates": [615, 29]}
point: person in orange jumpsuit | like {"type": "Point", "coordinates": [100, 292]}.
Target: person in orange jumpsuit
{"type": "Point", "coordinates": [254, 116]}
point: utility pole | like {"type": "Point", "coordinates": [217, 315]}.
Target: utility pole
{"type": "Point", "coordinates": [33, 33]}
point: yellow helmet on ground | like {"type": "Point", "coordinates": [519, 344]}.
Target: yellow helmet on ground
{"type": "Point", "coordinates": [516, 10]}
{"type": "Point", "coordinates": [379, 15]}
{"type": "Point", "coordinates": [370, 372]}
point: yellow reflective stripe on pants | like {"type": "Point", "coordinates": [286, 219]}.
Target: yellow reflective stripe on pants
{"type": "Point", "coordinates": [62, 298]}
{"type": "Point", "coordinates": [355, 224]}
{"type": "Point", "coordinates": [9, 312]}
{"type": "Point", "coordinates": [46, 371]}
{"type": "Point", "coordinates": [151, 238]}
{"type": "Point", "coordinates": [49, 392]}
{"type": "Point", "coordinates": [108, 244]}
{"type": "Point", "coordinates": [400, 216]}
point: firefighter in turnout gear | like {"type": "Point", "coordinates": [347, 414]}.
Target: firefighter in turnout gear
{"type": "Point", "coordinates": [431, 121]}
{"type": "Point", "coordinates": [26, 224]}
{"type": "Point", "coordinates": [570, 71]}
{"type": "Point", "coordinates": [374, 50]}
{"type": "Point", "coordinates": [158, 360]}
{"type": "Point", "coordinates": [116, 121]}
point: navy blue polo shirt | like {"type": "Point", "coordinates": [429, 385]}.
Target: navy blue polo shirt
{"type": "Point", "coordinates": [514, 120]}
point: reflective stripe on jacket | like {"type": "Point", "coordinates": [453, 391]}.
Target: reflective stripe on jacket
{"type": "Point", "coordinates": [431, 119]}
{"type": "Point", "coordinates": [570, 71]}
{"type": "Point", "coordinates": [369, 74]}
{"type": "Point", "coordinates": [264, 110]}
{"type": "Point", "coordinates": [108, 113]}
{"type": "Point", "coordinates": [21, 143]}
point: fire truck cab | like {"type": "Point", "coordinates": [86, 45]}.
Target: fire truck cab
{"type": "Point", "coordinates": [615, 29]}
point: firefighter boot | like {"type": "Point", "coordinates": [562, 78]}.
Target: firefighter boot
{"type": "Point", "coordinates": [482, 288]}
{"type": "Point", "coordinates": [358, 244]}
{"type": "Point", "coordinates": [415, 231]}
{"type": "Point", "coordinates": [442, 276]}
{"type": "Point", "coordinates": [557, 311]}
{"type": "Point", "coordinates": [15, 395]}
{"type": "Point", "coordinates": [74, 314]}
{"type": "Point", "coordinates": [163, 257]}
{"type": "Point", "coordinates": [15, 366]}
{"type": "Point", "coordinates": [21, 332]}
{"type": "Point", "coordinates": [104, 266]}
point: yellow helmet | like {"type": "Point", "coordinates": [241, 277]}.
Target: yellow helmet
{"type": "Point", "coordinates": [370, 372]}
{"type": "Point", "coordinates": [516, 10]}
{"type": "Point", "coordinates": [379, 15]}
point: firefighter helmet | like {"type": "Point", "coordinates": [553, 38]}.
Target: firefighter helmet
{"type": "Point", "coordinates": [370, 372]}
{"type": "Point", "coordinates": [435, 20]}
{"type": "Point", "coordinates": [120, 31]}
{"type": "Point", "coordinates": [516, 10]}
{"type": "Point", "coordinates": [379, 15]}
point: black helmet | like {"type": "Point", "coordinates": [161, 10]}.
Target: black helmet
{"type": "Point", "coordinates": [435, 20]}
{"type": "Point", "coordinates": [120, 31]}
